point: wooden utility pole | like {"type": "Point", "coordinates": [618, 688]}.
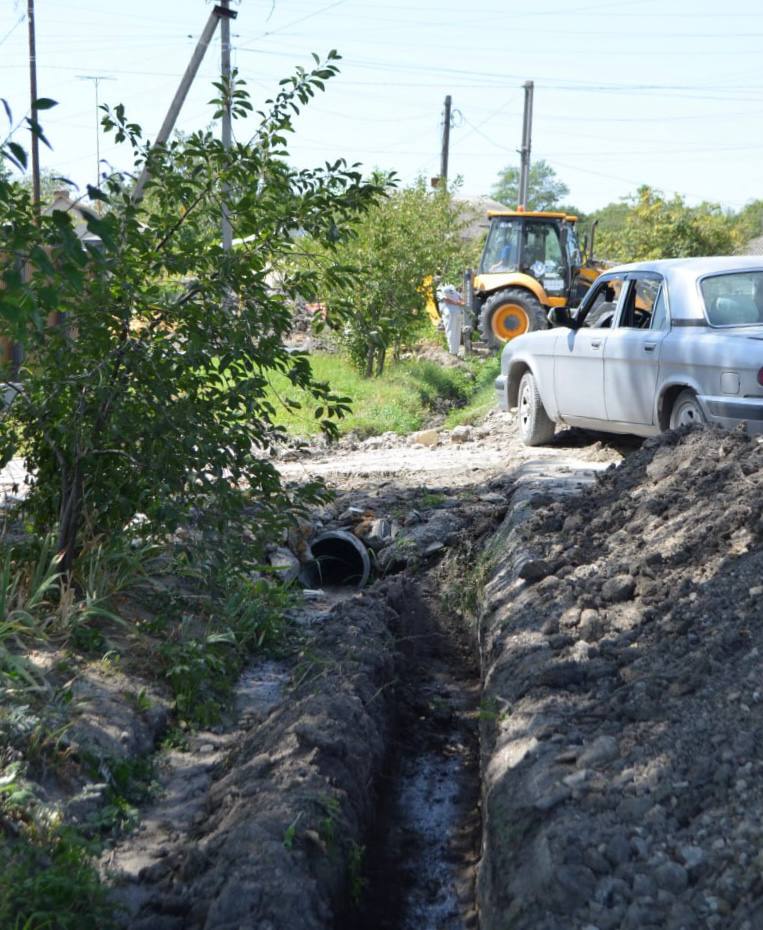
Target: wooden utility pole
{"type": "Point", "coordinates": [445, 144]}
{"type": "Point", "coordinates": [219, 13]}
{"type": "Point", "coordinates": [527, 131]}
{"type": "Point", "coordinates": [33, 95]}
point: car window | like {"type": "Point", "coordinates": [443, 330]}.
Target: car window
{"type": "Point", "coordinates": [600, 306]}
{"type": "Point", "coordinates": [734, 299]}
{"type": "Point", "coordinates": [660, 319]}
{"type": "Point", "coordinates": [639, 303]}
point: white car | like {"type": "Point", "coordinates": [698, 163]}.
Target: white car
{"type": "Point", "coordinates": [654, 345]}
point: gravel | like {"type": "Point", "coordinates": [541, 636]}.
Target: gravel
{"type": "Point", "coordinates": [623, 783]}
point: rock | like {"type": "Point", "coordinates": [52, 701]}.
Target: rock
{"type": "Point", "coordinates": [286, 564]}
{"type": "Point", "coordinates": [86, 803]}
{"type": "Point", "coordinates": [461, 434]}
{"type": "Point", "coordinates": [671, 877]}
{"type": "Point", "coordinates": [617, 589]}
{"type": "Point", "coordinates": [533, 569]}
{"type": "Point", "coordinates": [602, 750]}
{"type": "Point", "coordinates": [425, 437]}
{"type": "Point", "coordinates": [379, 534]}
{"type": "Point", "coordinates": [693, 857]}
{"type": "Point", "coordinates": [644, 886]}
{"type": "Point", "coordinates": [618, 849]}
{"type": "Point", "coordinates": [433, 548]}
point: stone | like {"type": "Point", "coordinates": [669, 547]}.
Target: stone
{"type": "Point", "coordinates": [533, 569]}
{"type": "Point", "coordinates": [671, 877]}
{"type": "Point", "coordinates": [461, 434]}
{"type": "Point", "coordinates": [618, 589]}
{"type": "Point", "coordinates": [285, 563]}
{"type": "Point", "coordinates": [602, 750]}
{"type": "Point", "coordinates": [86, 803]}
{"type": "Point", "coordinates": [618, 849]}
{"type": "Point", "coordinates": [425, 437]}
{"type": "Point", "coordinates": [379, 534]}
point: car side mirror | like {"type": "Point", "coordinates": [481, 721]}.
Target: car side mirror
{"type": "Point", "coordinates": [561, 316]}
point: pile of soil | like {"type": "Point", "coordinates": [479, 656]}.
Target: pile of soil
{"type": "Point", "coordinates": [622, 738]}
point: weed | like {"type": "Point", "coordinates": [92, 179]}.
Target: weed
{"type": "Point", "coordinates": [47, 874]}
{"type": "Point", "coordinates": [290, 832]}
{"type": "Point", "coordinates": [327, 824]}
{"type": "Point", "coordinates": [355, 878]}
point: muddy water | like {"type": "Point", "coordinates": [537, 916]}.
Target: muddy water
{"type": "Point", "coordinates": [422, 853]}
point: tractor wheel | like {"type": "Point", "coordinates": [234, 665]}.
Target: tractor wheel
{"type": "Point", "coordinates": [510, 313]}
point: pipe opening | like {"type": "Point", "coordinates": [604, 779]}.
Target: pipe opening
{"type": "Point", "coordinates": [339, 560]}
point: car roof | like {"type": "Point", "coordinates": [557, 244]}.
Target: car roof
{"type": "Point", "coordinates": [682, 275]}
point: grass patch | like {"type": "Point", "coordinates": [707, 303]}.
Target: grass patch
{"type": "Point", "coordinates": [401, 401]}
{"type": "Point", "coordinates": [482, 399]}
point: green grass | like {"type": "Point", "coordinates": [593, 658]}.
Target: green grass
{"type": "Point", "coordinates": [482, 399]}
{"type": "Point", "coordinates": [401, 401]}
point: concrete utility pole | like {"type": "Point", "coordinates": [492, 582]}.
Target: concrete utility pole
{"type": "Point", "coordinates": [527, 131]}
{"type": "Point", "coordinates": [33, 95]}
{"type": "Point", "coordinates": [445, 144]}
{"type": "Point", "coordinates": [96, 79]}
{"type": "Point", "coordinates": [227, 127]}
{"type": "Point", "coordinates": [218, 13]}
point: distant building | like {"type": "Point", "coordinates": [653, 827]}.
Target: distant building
{"type": "Point", "coordinates": [474, 214]}
{"type": "Point", "coordinates": [79, 214]}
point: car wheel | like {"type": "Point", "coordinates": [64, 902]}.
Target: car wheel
{"type": "Point", "coordinates": [686, 411]}
{"type": "Point", "coordinates": [510, 313]}
{"type": "Point", "coordinates": [535, 425]}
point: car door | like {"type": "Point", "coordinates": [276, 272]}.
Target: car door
{"type": "Point", "coordinates": [632, 351]}
{"type": "Point", "coordinates": [579, 354]}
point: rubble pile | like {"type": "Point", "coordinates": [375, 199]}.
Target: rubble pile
{"type": "Point", "coordinates": [622, 733]}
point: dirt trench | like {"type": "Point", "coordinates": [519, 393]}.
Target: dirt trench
{"type": "Point", "coordinates": [345, 794]}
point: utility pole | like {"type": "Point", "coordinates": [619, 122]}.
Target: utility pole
{"type": "Point", "coordinates": [96, 79]}
{"type": "Point", "coordinates": [527, 131]}
{"type": "Point", "coordinates": [445, 144]}
{"type": "Point", "coordinates": [33, 94]}
{"type": "Point", "coordinates": [227, 128]}
{"type": "Point", "coordinates": [219, 13]}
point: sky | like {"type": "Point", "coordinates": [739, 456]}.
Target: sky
{"type": "Point", "coordinates": [661, 92]}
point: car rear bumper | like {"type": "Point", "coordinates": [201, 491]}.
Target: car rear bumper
{"type": "Point", "coordinates": [729, 412]}
{"type": "Point", "coordinates": [500, 392]}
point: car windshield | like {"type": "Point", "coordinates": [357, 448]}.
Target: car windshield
{"type": "Point", "coordinates": [734, 299]}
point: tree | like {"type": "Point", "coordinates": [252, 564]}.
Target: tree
{"type": "Point", "coordinates": [151, 399]}
{"type": "Point", "coordinates": [545, 190]}
{"type": "Point", "coordinates": [655, 227]}
{"type": "Point", "coordinates": [378, 301]}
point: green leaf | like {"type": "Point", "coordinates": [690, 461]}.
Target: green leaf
{"type": "Point", "coordinates": [19, 154]}
{"type": "Point", "coordinates": [44, 103]}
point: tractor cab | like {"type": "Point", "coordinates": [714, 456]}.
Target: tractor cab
{"type": "Point", "coordinates": [531, 262]}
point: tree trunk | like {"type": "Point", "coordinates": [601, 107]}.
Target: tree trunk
{"type": "Point", "coordinates": [69, 517]}
{"type": "Point", "coordinates": [381, 356]}
{"type": "Point", "coordinates": [370, 362]}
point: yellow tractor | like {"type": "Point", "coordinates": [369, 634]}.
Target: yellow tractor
{"type": "Point", "coordinates": [531, 262]}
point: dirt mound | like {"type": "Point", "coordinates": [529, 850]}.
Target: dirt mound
{"type": "Point", "coordinates": [623, 732]}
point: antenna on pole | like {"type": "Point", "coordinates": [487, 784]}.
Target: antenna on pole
{"type": "Point", "coordinates": [96, 79]}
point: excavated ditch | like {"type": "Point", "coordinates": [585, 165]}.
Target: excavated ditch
{"type": "Point", "coordinates": [346, 794]}
{"type": "Point", "coordinates": [423, 846]}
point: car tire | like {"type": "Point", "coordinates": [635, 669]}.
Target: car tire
{"type": "Point", "coordinates": [535, 426]}
{"type": "Point", "coordinates": [510, 313]}
{"type": "Point", "coordinates": [686, 411]}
